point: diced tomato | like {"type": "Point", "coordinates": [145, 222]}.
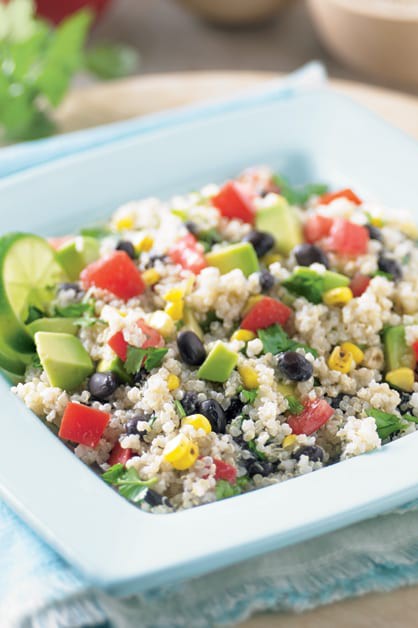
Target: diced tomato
{"type": "Point", "coordinates": [188, 253]}
{"type": "Point", "coordinates": [415, 349]}
{"type": "Point", "coordinates": [116, 273]}
{"type": "Point", "coordinates": [225, 471]}
{"type": "Point", "coordinates": [317, 227]}
{"type": "Point", "coordinates": [119, 345]}
{"type": "Point", "coordinates": [83, 425]}
{"type": "Point", "coordinates": [119, 455]}
{"type": "Point", "coordinates": [234, 201]}
{"type": "Point", "coordinates": [314, 414]}
{"type": "Point", "coordinates": [347, 238]}
{"type": "Point", "coordinates": [264, 313]}
{"type": "Point", "coordinates": [359, 284]}
{"type": "Point", "coordinates": [326, 199]}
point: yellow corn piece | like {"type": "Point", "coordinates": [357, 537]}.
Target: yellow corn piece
{"type": "Point", "coordinates": [376, 222]}
{"type": "Point", "coordinates": [249, 377]}
{"type": "Point", "coordinates": [145, 244]}
{"type": "Point", "coordinates": [337, 296]}
{"type": "Point", "coordinates": [181, 452]}
{"type": "Point", "coordinates": [173, 295]}
{"type": "Point", "coordinates": [198, 421]}
{"type": "Point", "coordinates": [410, 229]}
{"type": "Point", "coordinates": [124, 223]}
{"type": "Point", "coordinates": [245, 335]}
{"type": "Point", "coordinates": [123, 314]}
{"type": "Point", "coordinates": [356, 352]}
{"type": "Point", "coordinates": [402, 378]}
{"type": "Point", "coordinates": [250, 303]}
{"type": "Point", "coordinates": [163, 323]}
{"type": "Point", "coordinates": [173, 382]}
{"type": "Point", "coordinates": [151, 276]}
{"type": "Point", "coordinates": [175, 310]}
{"type": "Point", "coordinates": [340, 360]}
{"type": "Point", "coordinates": [271, 258]}
{"type": "Point", "coordinates": [289, 441]}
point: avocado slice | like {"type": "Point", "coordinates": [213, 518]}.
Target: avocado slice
{"type": "Point", "coordinates": [397, 352]}
{"type": "Point", "coordinates": [64, 359]}
{"type": "Point", "coordinates": [77, 254]}
{"type": "Point", "coordinates": [240, 255]}
{"type": "Point", "coordinates": [190, 323]}
{"type": "Point", "coordinates": [56, 325]}
{"type": "Point", "coordinates": [282, 222]}
{"type": "Point", "coordinates": [219, 364]}
{"type": "Point", "coordinates": [116, 366]}
{"type": "Point", "coordinates": [333, 280]}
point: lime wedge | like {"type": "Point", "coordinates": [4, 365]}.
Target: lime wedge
{"type": "Point", "coordinates": [29, 273]}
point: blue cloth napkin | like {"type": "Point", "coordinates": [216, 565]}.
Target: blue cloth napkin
{"type": "Point", "coordinates": [38, 589]}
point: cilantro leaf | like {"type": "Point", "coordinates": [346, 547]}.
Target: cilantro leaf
{"type": "Point", "coordinates": [410, 417]}
{"type": "Point", "coordinates": [225, 489]}
{"type": "Point", "coordinates": [34, 313]}
{"type": "Point", "coordinates": [253, 447]}
{"type": "Point", "coordinates": [387, 423]}
{"type": "Point", "coordinates": [306, 283]}
{"type": "Point", "coordinates": [295, 406]}
{"type": "Point", "coordinates": [179, 408]}
{"type": "Point", "coordinates": [95, 231]}
{"type": "Point", "coordinates": [75, 310]}
{"type": "Point", "coordinates": [210, 318]}
{"type": "Point", "coordinates": [149, 358]}
{"type": "Point", "coordinates": [249, 396]}
{"type": "Point", "coordinates": [154, 357]}
{"type": "Point", "coordinates": [275, 340]}
{"type": "Point", "coordinates": [298, 195]}
{"type": "Point", "coordinates": [128, 482]}
{"type": "Point", "coordinates": [110, 61]}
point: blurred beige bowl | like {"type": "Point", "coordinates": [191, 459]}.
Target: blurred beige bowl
{"type": "Point", "coordinates": [379, 37]}
{"type": "Point", "coordinates": [234, 12]}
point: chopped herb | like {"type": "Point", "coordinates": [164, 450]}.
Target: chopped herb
{"type": "Point", "coordinates": [128, 482]}
{"type": "Point", "coordinates": [34, 314]}
{"type": "Point", "coordinates": [406, 259]}
{"type": "Point", "coordinates": [225, 489]}
{"type": "Point", "coordinates": [253, 448]}
{"type": "Point", "coordinates": [387, 423]}
{"type": "Point", "coordinates": [179, 408]}
{"type": "Point", "coordinates": [152, 420]}
{"type": "Point", "coordinates": [275, 340]}
{"type": "Point", "coordinates": [75, 310]}
{"type": "Point", "coordinates": [148, 358]}
{"type": "Point", "coordinates": [95, 231]}
{"type": "Point", "coordinates": [210, 318]}
{"type": "Point", "coordinates": [88, 321]}
{"type": "Point", "coordinates": [410, 417]}
{"type": "Point", "coordinates": [35, 362]}
{"type": "Point", "coordinates": [209, 238]}
{"type": "Point", "coordinates": [381, 273]}
{"type": "Point", "coordinates": [295, 406]}
{"type": "Point", "coordinates": [301, 194]}
{"type": "Point", "coordinates": [249, 396]}
{"type": "Point", "coordinates": [306, 284]}
{"type": "Point", "coordinates": [111, 61]}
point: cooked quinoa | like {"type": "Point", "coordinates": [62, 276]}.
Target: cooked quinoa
{"type": "Point", "coordinates": [317, 374]}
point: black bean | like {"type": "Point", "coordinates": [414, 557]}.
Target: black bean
{"type": "Point", "coordinates": [259, 467]}
{"type": "Point", "coordinates": [66, 285]}
{"type": "Point", "coordinates": [192, 227]}
{"type": "Point", "coordinates": [404, 404]}
{"type": "Point", "coordinates": [191, 348]}
{"type": "Point", "coordinates": [295, 366]}
{"type": "Point", "coordinates": [214, 412]}
{"type": "Point", "coordinates": [390, 266]}
{"type": "Point", "coordinates": [266, 280]}
{"type": "Point", "coordinates": [140, 377]}
{"type": "Point", "coordinates": [307, 254]}
{"type": "Point", "coordinates": [234, 409]}
{"type": "Point", "coordinates": [155, 258]}
{"type": "Point", "coordinates": [314, 453]}
{"type": "Point", "coordinates": [262, 241]}
{"type": "Point", "coordinates": [103, 385]}
{"type": "Point", "coordinates": [127, 247]}
{"type": "Point", "coordinates": [131, 426]}
{"type": "Point", "coordinates": [190, 402]}
{"type": "Point", "coordinates": [334, 402]}
{"type": "Point", "coordinates": [374, 233]}
{"type": "Point", "coordinates": [152, 498]}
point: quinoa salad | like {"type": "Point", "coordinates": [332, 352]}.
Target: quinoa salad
{"type": "Point", "coordinates": [194, 349]}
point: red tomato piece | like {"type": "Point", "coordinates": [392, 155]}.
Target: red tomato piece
{"type": "Point", "coordinates": [359, 284]}
{"type": "Point", "coordinates": [326, 199]}
{"type": "Point", "coordinates": [348, 238]}
{"type": "Point", "coordinates": [264, 313]}
{"type": "Point", "coordinates": [415, 349]}
{"type": "Point", "coordinates": [83, 425]}
{"type": "Point", "coordinates": [119, 455]}
{"type": "Point", "coordinates": [55, 11]}
{"type": "Point", "coordinates": [225, 471]}
{"type": "Point", "coordinates": [116, 273]}
{"type": "Point", "coordinates": [188, 253]}
{"type": "Point", "coordinates": [119, 345]}
{"type": "Point", "coordinates": [317, 227]}
{"type": "Point", "coordinates": [314, 414]}
{"type": "Point", "coordinates": [233, 201]}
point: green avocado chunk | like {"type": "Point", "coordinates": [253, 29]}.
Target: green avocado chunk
{"type": "Point", "coordinates": [64, 359]}
{"type": "Point", "coordinates": [333, 280]}
{"type": "Point", "coordinates": [240, 255]}
{"type": "Point", "coordinates": [397, 352]}
{"type": "Point", "coordinates": [281, 221]}
{"type": "Point", "coordinates": [57, 325]}
{"type": "Point", "coordinates": [77, 254]}
{"type": "Point", "coordinates": [219, 364]}
{"type": "Point", "coordinates": [116, 366]}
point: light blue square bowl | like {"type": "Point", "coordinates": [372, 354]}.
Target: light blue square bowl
{"type": "Point", "coordinates": [310, 136]}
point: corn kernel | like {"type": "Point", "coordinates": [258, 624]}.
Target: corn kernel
{"type": "Point", "coordinates": [289, 441]}
{"type": "Point", "coordinates": [376, 221]}
{"type": "Point", "coordinates": [173, 295]}
{"type": "Point", "coordinates": [173, 382]}
{"type": "Point", "coordinates": [402, 378]}
{"type": "Point", "coordinates": [181, 452]}
{"type": "Point", "coordinates": [163, 323]}
{"type": "Point", "coordinates": [356, 352]}
{"type": "Point", "coordinates": [337, 296]}
{"type": "Point", "coordinates": [175, 310]}
{"type": "Point", "coordinates": [250, 303]}
{"type": "Point", "coordinates": [340, 360]}
{"type": "Point", "coordinates": [122, 314]}
{"type": "Point", "coordinates": [198, 421]}
{"type": "Point", "coordinates": [271, 258]}
{"type": "Point", "coordinates": [151, 276]}
{"type": "Point", "coordinates": [145, 244]}
{"type": "Point", "coordinates": [410, 229]}
{"type": "Point", "coordinates": [245, 335]}
{"type": "Point", "coordinates": [249, 377]}
{"type": "Point", "coordinates": [124, 223]}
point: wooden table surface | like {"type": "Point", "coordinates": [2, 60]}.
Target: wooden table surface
{"type": "Point", "coordinates": [113, 101]}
